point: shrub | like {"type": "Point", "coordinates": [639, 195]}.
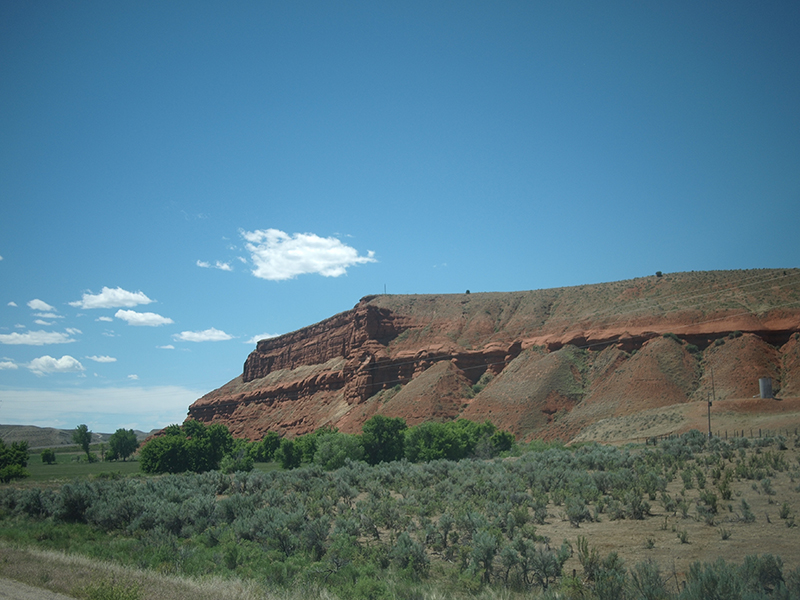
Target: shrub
{"type": "Point", "coordinates": [73, 502]}
{"type": "Point", "coordinates": [407, 553]}
{"type": "Point", "coordinates": [109, 590]}
{"type": "Point", "coordinates": [747, 514]}
{"type": "Point", "coordinates": [240, 463]}
{"type": "Point", "coordinates": [577, 511]}
{"type": "Point", "coordinates": [712, 580]}
{"type": "Point", "coordinates": [48, 456]}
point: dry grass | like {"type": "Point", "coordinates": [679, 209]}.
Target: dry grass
{"type": "Point", "coordinates": [631, 539]}
{"type": "Point", "coordinates": [71, 574]}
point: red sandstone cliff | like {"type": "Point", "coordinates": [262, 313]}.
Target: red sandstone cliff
{"type": "Point", "coordinates": [541, 363]}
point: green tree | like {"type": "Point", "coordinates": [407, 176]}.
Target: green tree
{"type": "Point", "coordinates": [334, 449]}
{"type": "Point", "coordinates": [122, 444]}
{"type": "Point", "coordinates": [48, 456]}
{"type": "Point", "coordinates": [13, 460]}
{"type": "Point", "coordinates": [264, 451]}
{"type": "Point", "coordinates": [239, 459]}
{"type": "Point", "coordinates": [191, 447]}
{"type": "Point", "coordinates": [82, 437]}
{"type": "Point", "coordinates": [383, 439]}
{"type": "Point", "coordinates": [164, 454]}
{"type": "Point", "coordinates": [288, 454]}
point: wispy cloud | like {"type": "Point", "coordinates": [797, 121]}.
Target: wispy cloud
{"type": "Point", "coordinates": [133, 377]}
{"type": "Point", "coordinates": [102, 359]}
{"type": "Point", "coordinates": [12, 303]}
{"type": "Point", "coordinates": [217, 265]}
{"type": "Point", "coordinates": [47, 364]}
{"type": "Point", "coordinates": [48, 315]}
{"type": "Point", "coordinates": [257, 338]}
{"type": "Point", "coordinates": [208, 335]}
{"type": "Point", "coordinates": [104, 319]}
{"type": "Point", "coordinates": [146, 319]}
{"type": "Point", "coordinates": [36, 338]}
{"type": "Point", "coordinates": [111, 298]}
{"type": "Point", "coordinates": [7, 365]}
{"type": "Point", "coordinates": [278, 256]}
{"type": "Point", "coordinates": [166, 347]}
{"type": "Point", "coordinates": [41, 322]}
{"type": "Point", "coordinates": [40, 305]}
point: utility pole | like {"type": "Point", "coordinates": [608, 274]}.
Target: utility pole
{"type": "Point", "coordinates": [714, 396]}
{"type": "Point", "coordinates": [709, 416]}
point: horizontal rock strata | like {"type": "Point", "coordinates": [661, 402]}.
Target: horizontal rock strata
{"type": "Point", "coordinates": [541, 363]}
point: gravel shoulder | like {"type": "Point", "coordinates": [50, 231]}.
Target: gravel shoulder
{"type": "Point", "coordinates": [14, 590]}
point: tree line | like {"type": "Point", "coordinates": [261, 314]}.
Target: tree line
{"type": "Point", "coordinates": [196, 447]}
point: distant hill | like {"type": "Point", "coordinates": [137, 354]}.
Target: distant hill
{"type": "Point", "coordinates": [48, 437]}
{"type": "Point", "coordinates": [603, 361]}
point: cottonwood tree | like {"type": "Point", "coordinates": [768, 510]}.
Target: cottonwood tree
{"type": "Point", "coordinates": [383, 439]}
{"type": "Point", "coordinates": [122, 444]}
{"type": "Point", "coordinates": [83, 437]}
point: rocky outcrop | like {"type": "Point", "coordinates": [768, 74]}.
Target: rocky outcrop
{"type": "Point", "coordinates": [541, 363]}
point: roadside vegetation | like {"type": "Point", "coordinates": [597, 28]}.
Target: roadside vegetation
{"type": "Point", "coordinates": [440, 510]}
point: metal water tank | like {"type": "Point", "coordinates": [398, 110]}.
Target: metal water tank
{"type": "Point", "coordinates": [765, 387]}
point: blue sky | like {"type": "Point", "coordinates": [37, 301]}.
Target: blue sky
{"type": "Point", "coordinates": [180, 178]}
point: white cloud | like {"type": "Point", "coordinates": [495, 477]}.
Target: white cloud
{"type": "Point", "coordinates": [36, 338]}
{"type": "Point", "coordinates": [218, 265]}
{"type": "Point", "coordinates": [103, 409]}
{"type": "Point", "coordinates": [102, 359]}
{"type": "Point", "coordinates": [105, 319]}
{"type": "Point", "coordinates": [12, 303]}
{"type": "Point", "coordinates": [7, 364]}
{"type": "Point", "coordinates": [41, 322]}
{"type": "Point", "coordinates": [209, 335]}
{"type": "Point", "coordinates": [109, 298]}
{"type": "Point", "coordinates": [48, 315]}
{"type": "Point", "coordinates": [48, 364]}
{"type": "Point", "coordinates": [146, 319]}
{"type": "Point", "coordinates": [37, 304]}
{"type": "Point", "coordinates": [133, 377]}
{"type": "Point", "coordinates": [264, 336]}
{"type": "Point", "coordinates": [73, 331]}
{"type": "Point", "coordinates": [278, 255]}
{"type": "Point", "coordinates": [167, 347]}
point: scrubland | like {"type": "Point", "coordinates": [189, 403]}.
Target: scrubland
{"type": "Point", "coordinates": [686, 518]}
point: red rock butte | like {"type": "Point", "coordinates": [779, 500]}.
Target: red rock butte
{"type": "Point", "coordinates": [542, 364]}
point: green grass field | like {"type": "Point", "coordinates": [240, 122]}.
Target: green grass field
{"type": "Point", "coordinates": [71, 464]}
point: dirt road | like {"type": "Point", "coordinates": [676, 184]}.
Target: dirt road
{"type": "Point", "coordinates": [14, 590]}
